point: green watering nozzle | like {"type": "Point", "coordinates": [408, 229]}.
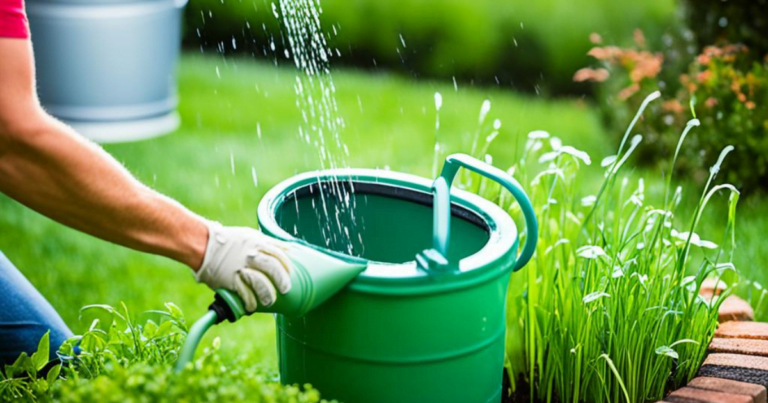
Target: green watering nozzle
{"type": "Point", "coordinates": [316, 277]}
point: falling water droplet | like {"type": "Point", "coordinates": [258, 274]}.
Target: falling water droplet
{"type": "Point", "coordinates": [438, 101]}
{"type": "Point", "coordinates": [255, 177]}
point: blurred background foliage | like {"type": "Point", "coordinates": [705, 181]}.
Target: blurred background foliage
{"type": "Point", "coordinates": [715, 70]}
{"type": "Point", "coordinates": [537, 47]}
{"type": "Point", "coordinates": [529, 46]}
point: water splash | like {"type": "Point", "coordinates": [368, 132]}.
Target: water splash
{"type": "Point", "coordinates": [322, 123]}
{"type": "Point", "coordinates": [436, 154]}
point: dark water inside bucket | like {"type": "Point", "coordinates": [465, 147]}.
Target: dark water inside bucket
{"type": "Point", "coordinates": [384, 223]}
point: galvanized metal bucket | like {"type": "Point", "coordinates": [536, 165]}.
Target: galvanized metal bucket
{"type": "Point", "coordinates": [425, 321]}
{"type": "Point", "coordinates": [108, 67]}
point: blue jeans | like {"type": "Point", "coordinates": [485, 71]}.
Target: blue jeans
{"type": "Point", "coordinates": [25, 316]}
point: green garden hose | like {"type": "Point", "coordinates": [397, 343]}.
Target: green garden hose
{"type": "Point", "coordinates": [196, 333]}
{"type": "Point", "coordinates": [226, 306]}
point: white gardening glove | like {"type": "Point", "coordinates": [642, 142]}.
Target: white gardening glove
{"type": "Point", "coordinates": [245, 261]}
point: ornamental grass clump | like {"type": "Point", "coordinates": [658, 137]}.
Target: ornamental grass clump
{"type": "Point", "coordinates": [609, 309]}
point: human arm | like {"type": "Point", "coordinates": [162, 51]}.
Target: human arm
{"type": "Point", "coordinates": [49, 168]}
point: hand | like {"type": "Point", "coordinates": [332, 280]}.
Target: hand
{"type": "Point", "coordinates": [245, 261]}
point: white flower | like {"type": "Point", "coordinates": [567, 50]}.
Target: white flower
{"type": "Point", "coordinates": [555, 143]}
{"type": "Point", "coordinates": [590, 252]}
{"type": "Point", "coordinates": [558, 172]}
{"type": "Point", "coordinates": [533, 145]}
{"type": "Point", "coordinates": [588, 200]}
{"type": "Point", "coordinates": [594, 296]}
{"type": "Point", "coordinates": [695, 239]}
{"type": "Point", "coordinates": [538, 134]}
{"type": "Point", "coordinates": [578, 154]}
{"type": "Point", "coordinates": [569, 215]}
{"type": "Point", "coordinates": [636, 200]}
{"type": "Point", "coordinates": [484, 110]}
{"type": "Point", "coordinates": [617, 272]}
{"type": "Point", "coordinates": [491, 136]}
{"type": "Point", "coordinates": [607, 161]}
{"type": "Point", "coordinates": [641, 277]}
{"type": "Point", "coordinates": [562, 241]}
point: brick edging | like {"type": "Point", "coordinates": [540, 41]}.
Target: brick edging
{"type": "Point", "coordinates": [736, 368]}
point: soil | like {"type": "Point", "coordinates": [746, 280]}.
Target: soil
{"type": "Point", "coordinates": [521, 395]}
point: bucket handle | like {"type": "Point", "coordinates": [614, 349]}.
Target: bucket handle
{"type": "Point", "coordinates": [442, 204]}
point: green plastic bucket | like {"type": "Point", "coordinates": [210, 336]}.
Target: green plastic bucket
{"type": "Point", "coordinates": [425, 321]}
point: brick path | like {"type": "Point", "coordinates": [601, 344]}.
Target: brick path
{"type": "Point", "coordinates": [736, 369]}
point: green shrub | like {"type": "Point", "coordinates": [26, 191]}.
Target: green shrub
{"type": "Point", "coordinates": [125, 361]}
{"type": "Point", "coordinates": [728, 93]}
{"type": "Point", "coordinates": [530, 46]}
{"type": "Point", "coordinates": [607, 310]}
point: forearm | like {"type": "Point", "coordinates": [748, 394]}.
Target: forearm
{"type": "Point", "coordinates": [55, 172]}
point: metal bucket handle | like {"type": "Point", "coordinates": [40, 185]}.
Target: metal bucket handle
{"type": "Point", "coordinates": [442, 205]}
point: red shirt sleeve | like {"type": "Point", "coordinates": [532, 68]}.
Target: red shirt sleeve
{"type": "Point", "coordinates": [13, 19]}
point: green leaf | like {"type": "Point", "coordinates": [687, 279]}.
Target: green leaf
{"type": "Point", "coordinates": [166, 328]}
{"type": "Point", "coordinates": [53, 374]}
{"type": "Point", "coordinates": [40, 357]}
{"type": "Point", "coordinates": [175, 311]}
{"type": "Point", "coordinates": [40, 386]}
{"type": "Point", "coordinates": [91, 342]}
{"type": "Point", "coordinates": [692, 104]}
{"type": "Point", "coordinates": [11, 370]}
{"type": "Point", "coordinates": [668, 351]}
{"type": "Point", "coordinates": [150, 329]}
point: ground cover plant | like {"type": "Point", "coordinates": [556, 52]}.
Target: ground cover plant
{"type": "Point", "coordinates": [123, 360]}
{"type": "Point", "coordinates": [609, 307]}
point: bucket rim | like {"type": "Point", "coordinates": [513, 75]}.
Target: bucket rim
{"type": "Point", "coordinates": [495, 258]}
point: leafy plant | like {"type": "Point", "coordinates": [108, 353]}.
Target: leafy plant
{"type": "Point", "coordinates": [121, 360]}
{"type": "Point", "coordinates": [20, 381]}
{"type": "Point", "coordinates": [609, 308]}
{"type": "Point", "coordinates": [728, 91]}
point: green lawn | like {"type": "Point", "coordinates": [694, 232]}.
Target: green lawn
{"type": "Point", "coordinates": [392, 125]}
{"type": "Point", "coordinates": [390, 122]}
